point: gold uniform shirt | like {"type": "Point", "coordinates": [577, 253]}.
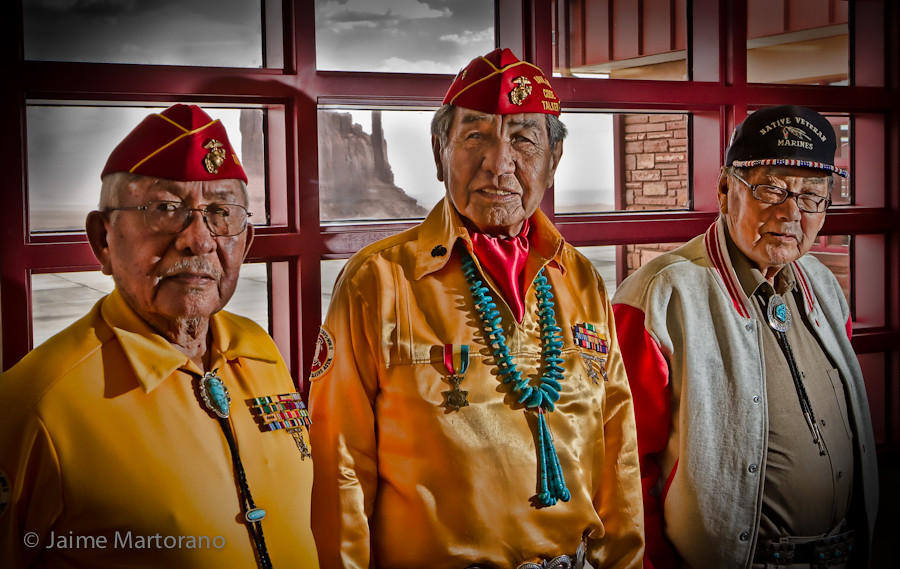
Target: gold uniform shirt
{"type": "Point", "coordinates": [112, 460]}
{"type": "Point", "coordinates": [404, 482]}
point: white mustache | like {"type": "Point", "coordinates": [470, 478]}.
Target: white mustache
{"type": "Point", "coordinates": [193, 265]}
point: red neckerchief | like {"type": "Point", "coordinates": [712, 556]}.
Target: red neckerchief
{"type": "Point", "coordinates": [504, 260]}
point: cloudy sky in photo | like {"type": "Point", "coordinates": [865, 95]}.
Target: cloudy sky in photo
{"type": "Point", "coordinates": [169, 32]}
{"type": "Point", "coordinates": [411, 36]}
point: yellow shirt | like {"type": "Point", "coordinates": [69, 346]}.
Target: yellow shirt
{"type": "Point", "coordinates": [112, 460]}
{"type": "Point", "coordinates": [404, 482]}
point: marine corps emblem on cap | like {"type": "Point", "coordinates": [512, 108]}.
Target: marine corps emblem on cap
{"type": "Point", "coordinates": [216, 157]}
{"type": "Point", "coordinates": [500, 84]}
{"type": "Point", "coordinates": [520, 91]}
{"type": "Point", "coordinates": [786, 135]}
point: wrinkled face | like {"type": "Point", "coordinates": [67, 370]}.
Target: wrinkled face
{"type": "Point", "coordinates": [496, 168]}
{"type": "Point", "coordinates": [167, 278]}
{"type": "Point", "coordinates": [772, 236]}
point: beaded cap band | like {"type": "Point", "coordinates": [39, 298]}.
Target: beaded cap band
{"type": "Point", "coordinates": [782, 162]}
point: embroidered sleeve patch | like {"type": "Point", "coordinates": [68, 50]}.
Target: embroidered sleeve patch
{"type": "Point", "coordinates": [324, 354]}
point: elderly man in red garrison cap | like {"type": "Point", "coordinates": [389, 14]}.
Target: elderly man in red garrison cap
{"type": "Point", "coordinates": [158, 430]}
{"type": "Point", "coordinates": [470, 407]}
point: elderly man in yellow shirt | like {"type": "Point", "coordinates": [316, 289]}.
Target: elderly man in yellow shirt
{"type": "Point", "coordinates": [159, 431]}
{"type": "Point", "coordinates": [470, 407]}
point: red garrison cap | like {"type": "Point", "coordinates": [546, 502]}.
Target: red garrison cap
{"type": "Point", "coordinates": [500, 84]}
{"type": "Point", "coordinates": [181, 143]}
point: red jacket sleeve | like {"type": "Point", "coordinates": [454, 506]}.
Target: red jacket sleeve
{"type": "Point", "coordinates": [648, 376]}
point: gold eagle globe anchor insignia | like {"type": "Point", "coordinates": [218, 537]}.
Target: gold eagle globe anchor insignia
{"type": "Point", "coordinates": [216, 156]}
{"type": "Point", "coordinates": [521, 91]}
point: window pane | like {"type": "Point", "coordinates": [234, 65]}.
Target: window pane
{"type": "Point", "coordinates": [586, 176]}
{"type": "Point", "coordinates": [834, 252]}
{"type": "Point", "coordinates": [376, 165]}
{"type": "Point", "coordinates": [842, 193]}
{"type": "Point", "coordinates": [797, 41]}
{"type": "Point", "coordinates": [68, 147]}
{"type": "Point", "coordinates": [624, 162]}
{"type": "Point", "coordinates": [331, 268]}
{"type": "Point", "coordinates": [402, 36]}
{"type": "Point", "coordinates": [603, 257]}
{"type": "Point", "coordinates": [636, 256]}
{"type": "Point", "coordinates": [227, 33]}
{"type": "Point", "coordinates": [251, 297]}
{"type": "Point", "coordinates": [59, 299]}
{"type": "Point", "coordinates": [615, 262]}
{"type": "Point", "coordinates": [621, 39]}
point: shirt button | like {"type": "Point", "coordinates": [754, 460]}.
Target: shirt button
{"type": "Point", "coordinates": [744, 536]}
{"type": "Point", "coordinates": [752, 468]}
{"type": "Point", "coordinates": [749, 327]}
{"type": "Point", "coordinates": [756, 399]}
{"type": "Point", "coordinates": [840, 473]}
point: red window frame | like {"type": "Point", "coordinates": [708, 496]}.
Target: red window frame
{"type": "Point", "coordinates": [716, 97]}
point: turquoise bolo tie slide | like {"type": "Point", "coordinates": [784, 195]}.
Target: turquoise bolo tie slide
{"type": "Point", "coordinates": [215, 394]}
{"type": "Point", "coordinates": [778, 314]}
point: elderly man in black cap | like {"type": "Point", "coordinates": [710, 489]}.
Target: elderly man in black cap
{"type": "Point", "coordinates": [754, 433]}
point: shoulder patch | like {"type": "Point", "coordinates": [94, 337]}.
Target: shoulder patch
{"type": "Point", "coordinates": [5, 491]}
{"type": "Point", "coordinates": [324, 354]}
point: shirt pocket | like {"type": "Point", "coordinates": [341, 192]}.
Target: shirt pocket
{"type": "Point", "coordinates": [837, 385]}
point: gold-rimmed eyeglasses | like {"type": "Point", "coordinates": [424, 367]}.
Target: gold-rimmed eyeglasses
{"type": "Point", "coordinates": [223, 220]}
{"type": "Point", "coordinates": [810, 203]}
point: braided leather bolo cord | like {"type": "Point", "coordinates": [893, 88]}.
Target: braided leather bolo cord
{"type": "Point", "coordinates": [805, 405]}
{"type": "Point", "coordinates": [255, 527]}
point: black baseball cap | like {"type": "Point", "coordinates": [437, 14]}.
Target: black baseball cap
{"type": "Point", "coordinates": [787, 135]}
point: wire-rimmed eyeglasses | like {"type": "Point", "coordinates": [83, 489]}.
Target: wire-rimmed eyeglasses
{"type": "Point", "coordinates": [223, 220]}
{"type": "Point", "coordinates": [810, 203]}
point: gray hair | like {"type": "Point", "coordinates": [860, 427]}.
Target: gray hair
{"type": "Point", "coordinates": [443, 118]}
{"type": "Point", "coordinates": [111, 184]}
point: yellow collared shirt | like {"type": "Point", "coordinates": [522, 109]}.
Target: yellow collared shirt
{"type": "Point", "coordinates": [112, 460]}
{"type": "Point", "coordinates": [404, 482]}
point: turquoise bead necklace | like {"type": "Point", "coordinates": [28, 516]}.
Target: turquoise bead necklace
{"type": "Point", "coordinates": [541, 398]}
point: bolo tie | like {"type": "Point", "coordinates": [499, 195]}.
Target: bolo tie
{"type": "Point", "coordinates": [215, 394]}
{"type": "Point", "coordinates": [780, 320]}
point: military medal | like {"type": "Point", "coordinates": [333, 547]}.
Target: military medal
{"type": "Point", "coordinates": [215, 394]}
{"type": "Point", "coordinates": [586, 336]}
{"type": "Point", "coordinates": [456, 362]}
{"type": "Point", "coordinates": [592, 372]}
{"type": "Point", "coordinates": [285, 411]}
{"type": "Point", "coordinates": [779, 316]}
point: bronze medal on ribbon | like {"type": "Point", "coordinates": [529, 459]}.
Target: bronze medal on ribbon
{"type": "Point", "coordinates": [457, 362]}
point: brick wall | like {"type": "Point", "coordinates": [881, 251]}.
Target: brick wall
{"type": "Point", "coordinates": [655, 173]}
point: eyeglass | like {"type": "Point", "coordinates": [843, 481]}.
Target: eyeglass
{"type": "Point", "coordinates": [810, 203]}
{"type": "Point", "coordinates": [223, 220]}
